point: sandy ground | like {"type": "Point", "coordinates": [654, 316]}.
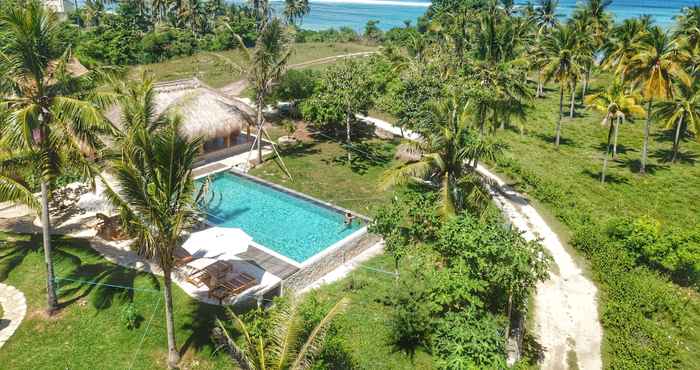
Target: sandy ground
{"type": "Point", "coordinates": [566, 308]}
{"type": "Point", "coordinates": [566, 305]}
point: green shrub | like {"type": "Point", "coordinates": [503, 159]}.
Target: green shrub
{"type": "Point", "coordinates": [466, 340]}
{"type": "Point", "coordinates": [130, 316]}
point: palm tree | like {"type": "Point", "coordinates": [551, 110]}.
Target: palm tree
{"type": "Point", "coordinates": [683, 110]}
{"type": "Point", "coordinates": [54, 111]}
{"type": "Point", "coordinates": [621, 47]}
{"type": "Point", "coordinates": [585, 50]}
{"type": "Point", "coordinates": [296, 10]}
{"type": "Point", "coordinates": [617, 107]}
{"type": "Point", "coordinates": [546, 15]}
{"type": "Point", "coordinates": [284, 348]}
{"type": "Point", "coordinates": [562, 63]}
{"type": "Point", "coordinates": [266, 62]}
{"type": "Point", "coordinates": [688, 25]}
{"type": "Point", "coordinates": [655, 66]}
{"type": "Point", "coordinates": [440, 158]}
{"type": "Point", "coordinates": [156, 199]}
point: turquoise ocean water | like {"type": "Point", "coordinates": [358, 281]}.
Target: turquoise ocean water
{"type": "Point", "coordinates": [391, 13]}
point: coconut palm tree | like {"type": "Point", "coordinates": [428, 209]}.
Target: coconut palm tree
{"type": "Point", "coordinates": [617, 106]}
{"type": "Point", "coordinates": [440, 158]}
{"type": "Point", "coordinates": [654, 68]}
{"type": "Point", "coordinates": [284, 348]}
{"type": "Point", "coordinates": [546, 15]}
{"type": "Point", "coordinates": [266, 62]}
{"type": "Point", "coordinates": [688, 25]}
{"type": "Point", "coordinates": [586, 49]}
{"type": "Point", "coordinates": [155, 199]}
{"type": "Point", "coordinates": [562, 63]}
{"type": "Point", "coordinates": [54, 113]}
{"type": "Point", "coordinates": [296, 10]}
{"type": "Point", "coordinates": [682, 111]}
{"type": "Point", "coordinates": [621, 46]}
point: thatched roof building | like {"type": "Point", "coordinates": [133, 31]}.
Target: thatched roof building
{"type": "Point", "coordinates": [205, 112]}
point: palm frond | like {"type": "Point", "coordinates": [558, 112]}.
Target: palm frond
{"type": "Point", "coordinates": [314, 343]}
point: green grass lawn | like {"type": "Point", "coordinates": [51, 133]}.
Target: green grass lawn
{"type": "Point", "coordinates": [319, 168]}
{"type": "Point", "coordinates": [88, 332]}
{"type": "Point", "coordinates": [220, 68]}
{"type": "Point", "coordinates": [363, 327]}
{"type": "Point", "coordinates": [666, 192]}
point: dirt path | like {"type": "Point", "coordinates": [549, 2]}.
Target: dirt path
{"type": "Point", "coordinates": [236, 88]}
{"type": "Point", "coordinates": [566, 305]}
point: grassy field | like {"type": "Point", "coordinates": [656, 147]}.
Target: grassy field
{"type": "Point", "coordinates": [220, 68]}
{"type": "Point", "coordinates": [319, 168]}
{"type": "Point", "coordinates": [668, 192]}
{"type": "Point", "coordinates": [363, 327]}
{"type": "Point", "coordinates": [89, 332]}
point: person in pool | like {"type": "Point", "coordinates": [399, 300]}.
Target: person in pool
{"type": "Point", "coordinates": [349, 217]}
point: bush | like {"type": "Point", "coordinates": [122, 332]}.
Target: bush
{"type": "Point", "coordinates": [295, 86]}
{"type": "Point", "coordinates": [130, 317]}
{"type": "Point", "coordinates": [466, 340]}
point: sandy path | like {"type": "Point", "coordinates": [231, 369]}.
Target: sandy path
{"type": "Point", "coordinates": [566, 305]}
{"type": "Point", "coordinates": [566, 309]}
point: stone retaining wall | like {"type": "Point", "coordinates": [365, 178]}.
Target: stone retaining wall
{"type": "Point", "coordinates": [317, 269]}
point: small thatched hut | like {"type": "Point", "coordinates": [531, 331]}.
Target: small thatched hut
{"type": "Point", "coordinates": [205, 113]}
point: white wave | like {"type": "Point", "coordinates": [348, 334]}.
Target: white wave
{"type": "Point", "coordinates": [415, 4]}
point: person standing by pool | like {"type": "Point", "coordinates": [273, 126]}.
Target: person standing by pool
{"type": "Point", "coordinates": [349, 218]}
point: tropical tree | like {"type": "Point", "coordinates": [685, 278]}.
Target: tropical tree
{"type": "Point", "coordinates": [617, 106]}
{"type": "Point", "coordinates": [296, 10]}
{"type": "Point", "coordinates": [545, 16]}
{"type": "Point", "coordinates": [155, 199]}
{"type": "Point", "coordinates": [682, 111]}
{"type": "Point", "coordinates": [283, 349]}
{"type": "Point", "coordinates": [622, 45]}
{"type": "Point", "coordinates": [344, 90]}
{"type": "Point", "coordinates": [654, 68]}
{"type": "Point", "coordinates": [440, 159]}
{"type": "Point", "coordinates": [586, 48]}
{"type": "Point", "coordinates": [562, 63]}
{"type": "Point", "coordinates": [266, 62]}
{"type": "Point", "coordinates": [53, 110]}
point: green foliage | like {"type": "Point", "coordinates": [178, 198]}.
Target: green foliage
{"type": "Point", "coordinates": [469, 340]}
{"type": "Point", "coordinates": [343, 90]}
{"type": "Point", "coordinates": [343, 34]}
{"type": "Point", "coordinates": [295, 86]}
{"type": "Point", "coordinates": [130, 316]}
{"type": "Point", "coordinates": [411, 218]}
{"type": "Point", "coordinates": [372, 31]}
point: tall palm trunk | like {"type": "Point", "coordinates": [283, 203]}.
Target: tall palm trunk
{"type": "Point", "coordinates": [573, 99]}
{"type": "Point", "coordinates": [677, 139]}
{"type": "Point", "coordinates": [259, 122]}
{"type": "Point", "coordinates": [607, 151]}
{"type": "Point", "coordinates": [173, 354]}
{"type": "Point", "coordinates": [557, 133]}
{"type": "Point", "coordinates": [540, 87]}
{"type": "Point", "coordinates": [52, 302]}
{"type": "Point", "coordinates": [645, 146]}
{"type": "Point", "coordinates": [347, 133]}
{"type": "Point", "coordinates": [617, 131]}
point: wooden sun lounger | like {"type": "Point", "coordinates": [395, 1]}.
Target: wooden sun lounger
{"type": "Point", "coordinates": [201, 277]}
{"type": "Point", "coordinates": [232, 286]}
{"type": "Point", "coordinates": [182, 257]}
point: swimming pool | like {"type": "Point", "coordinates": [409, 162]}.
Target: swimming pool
{"type": "Point", "coordinates": [294, 227]}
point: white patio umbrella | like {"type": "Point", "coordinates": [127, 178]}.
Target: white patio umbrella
{"type": "Point", "coordinates": [219, 243]}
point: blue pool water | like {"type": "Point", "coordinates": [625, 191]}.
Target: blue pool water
{"type": "Point", "coordinates": [291, 226]}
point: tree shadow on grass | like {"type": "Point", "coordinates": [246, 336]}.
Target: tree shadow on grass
{"type": "Point", "coordinates": [202, 318]}
{"type": "Point", "coordinates": [563, 140]}
{"type": "Point", "coordinates": [621, 148]}
{"type": "Point", "coordinates": [609, 178]}
{"type": "Point", "coordinates": [300, 150]}
{"type": "Point", "coordinates": [635, 165]}
{"type": "Point", "coordinates": [364, 155]}
{"type": "Point", "coordinates": [532, 351]}
{"type": "Point", "coordinates": [666, 156]}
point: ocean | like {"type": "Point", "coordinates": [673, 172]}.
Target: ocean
{"type": "Point", "coordinates": [392, 13]}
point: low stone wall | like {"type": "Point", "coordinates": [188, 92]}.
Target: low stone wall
{"type": "Point", "coordinates": [317, 269]}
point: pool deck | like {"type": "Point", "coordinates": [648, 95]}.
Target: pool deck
{"type": "Point", "coordinates": [268, 262]}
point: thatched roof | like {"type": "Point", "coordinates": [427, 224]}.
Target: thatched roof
{"type": "Point", "coordinates": [205, 112]}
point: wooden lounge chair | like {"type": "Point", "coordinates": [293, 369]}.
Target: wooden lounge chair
{"type": "Point", "coordinates": [201, 277]}
{"type": "Point", "coordinates": [182, 257]}
{"type": "Point", "coordinates": [232, 286]}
